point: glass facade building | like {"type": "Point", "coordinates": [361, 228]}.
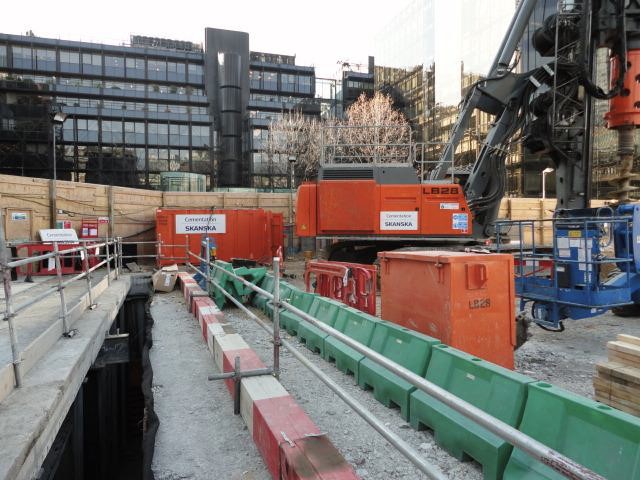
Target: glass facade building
{"type": "Point", "coordinates": [429, 55]}
{"type": "Point", "coordinates": [138, 112]}
{"type": "Point", "coordinates": [277, 87]}
{"type": "Point", "coordinates": [132, 112]}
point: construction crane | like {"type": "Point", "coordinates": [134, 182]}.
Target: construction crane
{"type": "Point", "coordinates": [374, 206]}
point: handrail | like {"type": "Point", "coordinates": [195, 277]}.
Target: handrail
{"type": "Point", "coordinates": [537, 450]}
{"type": "Point", "coordinates": [86, 249]}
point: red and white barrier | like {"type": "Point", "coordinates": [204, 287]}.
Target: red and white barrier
{"type": "Point", "coordinates": [290, 443]}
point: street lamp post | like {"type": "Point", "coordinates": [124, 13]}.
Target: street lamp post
{"type": "Point", "coordinates": [544, 177]}
{"type": "Point", "coordinates": [292, 161]}
{"type": "Point", "coordinates": [57, 119]}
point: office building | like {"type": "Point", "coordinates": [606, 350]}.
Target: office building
{"type": "Point", "coordinates": [140, 114]}
{"type": "Point", "coordinates": [428, 56]}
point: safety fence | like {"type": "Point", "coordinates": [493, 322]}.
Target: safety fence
{"type": "Point", "coordinates": [89, 253]}
{"type": "Point", "coordinates": [69, 262]}
{"type": "Point", "coordinates": [354, 284]}
{"type": "Point", "coordinates": [482, 413]}
{"type": "Point", "coordinates": [474, 407]}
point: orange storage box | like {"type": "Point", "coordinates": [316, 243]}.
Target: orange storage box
{"type": "Point", "coordinates": [465, 300]}
{"type": "Point", "coordinates": [254, 234]}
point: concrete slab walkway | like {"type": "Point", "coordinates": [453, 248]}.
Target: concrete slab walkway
{"type": "Point", "coordinates": [30, 416]}
{"type": "Point", "coordinates": [199, 437]}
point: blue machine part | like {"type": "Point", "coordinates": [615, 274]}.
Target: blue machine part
{"type": "Point", "coordinates": [573, 286]}
{"type": "Point", "coordinates": [627, 240]}
{"type": "Point", "coordinates": [210, 244]}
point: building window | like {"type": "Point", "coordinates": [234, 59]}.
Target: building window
{"type": "Point", "coordinates": [22, 57]}
{"type": "Point", "coordinates": [141, 159]}
{"type": "Point", "coordinates": [195, 73]}
{"type": "Point", "coordinates": [87, 130]}
{"type": "Point", "coordinates": [270, 81]}
{"type": "Point", "coordinates": [67, 130]}
{"type": "Point", "coordinates": [200, 136]}
{"type": "Point", "coordinates": [179, 135]}
{"type": "Point", "coordinates": [3, 56]}
{"type": "Point", "coordinates": [134, 132]}
{"type": "Point", "coordinates": [158, 133]}
{"type": "Point", "coordinates": [157, 160]}
{"type": "Point", "coordinates": [92, 63]}
{"type": "Point", "coordinates": [179, 160]}
{"type": "Point", "coordinates": [259, 163]}
{"type": "Point", "coordinates": [255, 78]}
{"type": "Point", "coordinates": [135, 67]}
{"type": "Point", "coordinates": [304, 84]}
{"type": "Point", "coordinates": [200, 161]}
{"type": "Point", "coordinates": [69, 61]}
{"type": "Point", "coordinates": [288, 82]}
{"type": "Point", "coordinates": [111, 131]}
{"type": "Point", "coordinates": [259, 139]}
{"type": "Point", "coordinates": [156, 70]}
{"type": "Point", "coordinates": [45, 59]}
{"type": "Point", "coordinates": [113, 66]}
{"type": "Point", "coordinates": [176, 72]}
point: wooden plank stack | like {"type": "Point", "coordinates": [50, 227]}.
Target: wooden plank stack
{"type": "Point", "coordinates": [617, 381]}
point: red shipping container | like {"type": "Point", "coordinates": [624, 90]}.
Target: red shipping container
{"type": "Point", "coordinates": [253, 234]}
{"type": "Point", "coordinates": [465, 300]}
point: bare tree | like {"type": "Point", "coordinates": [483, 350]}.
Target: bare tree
{"type": "Point", "coordinates": [294, 138]}
{"type": "Point", "coordinates": [372, 131]}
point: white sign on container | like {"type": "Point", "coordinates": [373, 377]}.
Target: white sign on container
{"type": "Point", "coordinates": [399, 220]}
{"type": "Point", "coordinates": [449, 206]}
{"type": "Point", "coordinates": [201, 223]}
{"type": "Point", "coordinates": [58, 235]}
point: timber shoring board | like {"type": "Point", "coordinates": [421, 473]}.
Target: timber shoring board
{"type": "Point", "coordinates": [617, 381]}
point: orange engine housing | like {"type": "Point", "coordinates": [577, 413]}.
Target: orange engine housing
{"type": "Point", "coordinates": [367, 208]}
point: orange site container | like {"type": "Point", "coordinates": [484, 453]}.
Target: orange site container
{"type": "Point", "coordinates": [465, 300]}
{"type": "Point", "coordinates": [253, 234]}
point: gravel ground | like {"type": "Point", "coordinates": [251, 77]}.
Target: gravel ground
{"type": "Point", "coordinates": [565, 359]}
{"type": "Point", "coordinates": [199, 437]}
{"type": "Point", "coordinates": [362, 446]}
{"type": "Point", "coordinates": [568, 359]}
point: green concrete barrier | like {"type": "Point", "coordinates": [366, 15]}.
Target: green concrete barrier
{"type": "Point", "coordinates": [253, 275]}
{"type": "Point", "coordinates": [410, 349]}
{"type": "Point", "coordinates": [225, 281]}
{"type": "Point", "coordinates": [312, 336]}
{"type": "Point", "coordinates": [496, 390]}
{"type": "Point", "coordinates": [597, 436]}
{"type": "Point", "coordinates": [259, 301]}
{"type": "Point", "coordinates": [286, 291]}
{"type": "Point", "coordinates": [293, 322]}
{"type": "Point", "coordinates": [299, 299]}
{"type": "Point", "coordinates": [357, 325]}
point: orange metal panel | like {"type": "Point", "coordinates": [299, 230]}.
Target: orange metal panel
{"type": "Point", "coordinates": [465, 300]}
{"type": "Point", "coordinates": [306, 210]}
{"type": "Point", "coordinates": [444, 211]}
{"type": "Point", "coordinates": [252, 234]}
{"type": "Point", "coordinates": [346, 206]}
{"type": "Point", "coordinates": [399, 205]}
{"type": "Point", "coordinates": [623, 110]}
{"type": "Point", "coordinates": [362, 207]}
